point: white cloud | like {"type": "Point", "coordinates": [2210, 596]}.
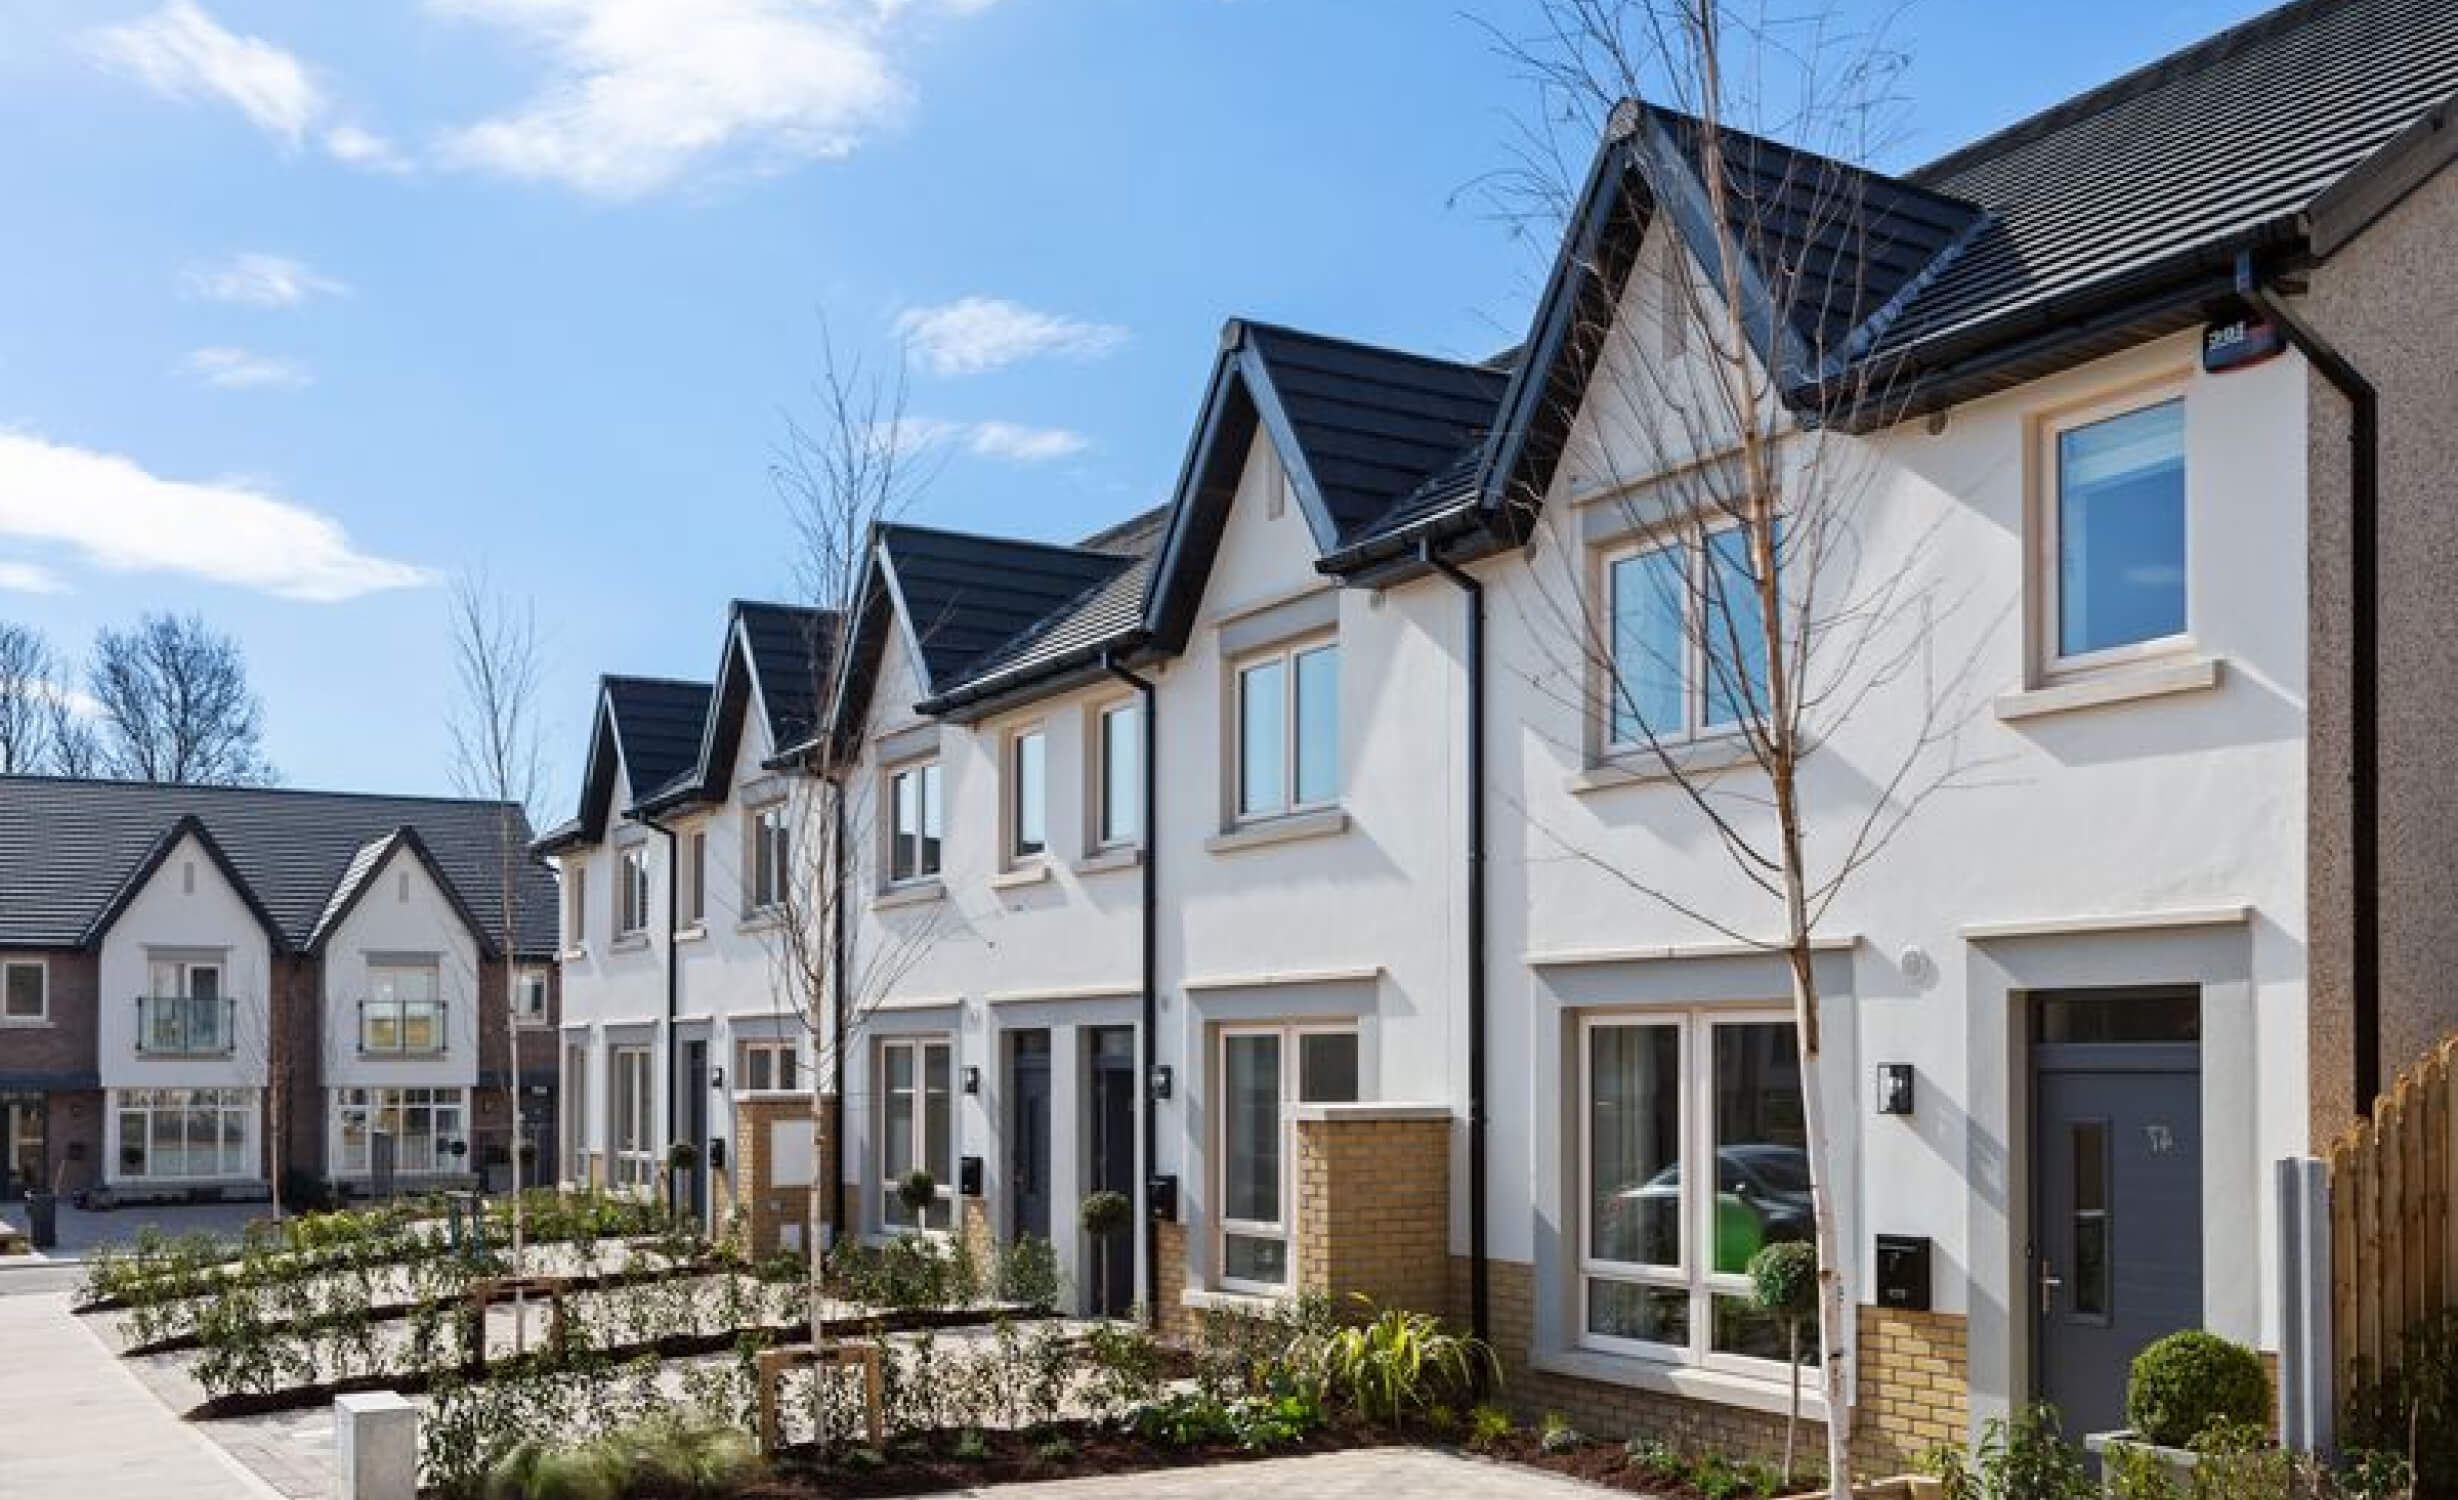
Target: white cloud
{"type": "Point", "coordinates": [972, 335]}
{"type": "Point", "coordinates": [258, 280]}
{"type": "Point", "coordinates": [27, 578]}
{"type": "Point", "coordinates": [1011, 442]}
{"type": "Point", "coordinates": [120, 517]}
{"type": "Point", "coordinates": [182, 53]}
{"type": "Point", "coordinates": [638, 93]}
{"type": "Point", "coordinates": [242, 370]}
{"type": "Point", "coordinates": [365, 148]}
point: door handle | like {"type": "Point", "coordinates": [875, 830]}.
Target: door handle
{"type": "Point", "coordinates": [2049, 1282]}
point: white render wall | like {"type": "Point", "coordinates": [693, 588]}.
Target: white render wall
{"type": "Point", "coordinates": [190, 906]}
{"type": "Point", "coordinates": [403, 915]}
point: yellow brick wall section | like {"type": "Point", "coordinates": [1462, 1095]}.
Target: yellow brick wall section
{"type": "Point", "coordinates": [1169, 1284]}
{"type": "Point", "coordinates": [1913, 1387]}
{"type": "Point", "coordinates": [766, 1208]}
{"type": "Point", "coordinates": [1374, 1211]}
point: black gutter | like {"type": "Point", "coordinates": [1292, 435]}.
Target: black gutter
{"type": "Point", "coordinates": [1150, 1239]}
{"type": "Point", "coordinates": [1479, 1281]}
{"type": "Point", "coordinates": [971, 701]}
{"type": "Point", "coordinates": [2363, 666]}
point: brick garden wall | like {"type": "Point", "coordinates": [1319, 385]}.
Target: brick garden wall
{"type": "Point", "coordinates": [748, 1192]}
{"type": "Point", "coordinates": [1374, 1206]}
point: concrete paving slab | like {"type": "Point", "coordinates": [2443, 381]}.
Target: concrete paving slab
{"type": "Point", "coordinates": [1364, 1474]}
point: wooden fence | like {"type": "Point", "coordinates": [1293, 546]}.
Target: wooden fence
{"type": "Point", "coordinates": [2393, 1258]}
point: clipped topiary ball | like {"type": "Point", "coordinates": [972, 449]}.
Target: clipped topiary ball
{"type": "Point", "coordinates": [1784, 1279]}
{"type": "Point", "coordinates": [2188, 1381]}
{"type": "Point", "coordinates": [1106, 1212]}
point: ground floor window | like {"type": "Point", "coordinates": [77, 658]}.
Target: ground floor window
{"type": "Point", "coordinates": [426, 1126]}
{"type": "Point", "coordinates": [764, 1065]}
{"type": "Point", "coordinates": [1694, 1155]}
{"type": "Point", "coordinates": [170, 1135]}
{"type": "Point", "coordinates": [1261, 1071]}
{"type": "Point", "coordinates": [576, 1112]}
{"type": "Point", "coordinates": [917, 1129]}
{"type": "Point", "coordinates": [635, 1153]}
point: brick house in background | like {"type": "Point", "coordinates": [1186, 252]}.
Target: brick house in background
{"type": "Point", "coordinates": [176, 961]}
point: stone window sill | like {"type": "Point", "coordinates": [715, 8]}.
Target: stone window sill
{"type": "Point", "coordinates": [2132, 684]}
{"type": "Point", "coordinates": [914, 893]}
{"type": "Point", "coordinates": [696, 932]}
{"type": "Point", "coordinates": [760, 919]}
{"type": "Point", "coordinates": [24, 1023]}
{"type": "Point", "coordinates": [1645, 767]}
{"type": "Point", "coordinates": [1688, 1381]}
{"type": "Point", "coordinates": [1325, 823]}
{"type": "Point", "coordinates": [1022, 875]}
{"type": "Point", "coordinates": [630, 942]}
{"type": "Point", "coordinates": [1125, 857]}
{"type": "Point", "coordinates": [1240, 1304]}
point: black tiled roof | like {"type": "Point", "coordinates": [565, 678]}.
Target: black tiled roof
{"type": "Point", "coordinates": [1372, 424]}
{"type": "Point", "coordinates": [789, 647]}
{"type": "Point", "coordinates": [967, 597]}
{"type": "Point", "coordinates": [69, 847]}
{"type": "Point", "coordinates": [2195, 149]}
{"type": "Point", "coordinates": [657, 725]}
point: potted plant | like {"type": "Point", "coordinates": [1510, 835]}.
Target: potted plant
{"type": "Point", "coordinates": [917, 1190]}
{"type": "Point", "coordinates": [1784, 1286]}
{"type": "Point", "coordinates": [1102, 1215]}
{"type": "Point", "coordinates": [2180, 1388]}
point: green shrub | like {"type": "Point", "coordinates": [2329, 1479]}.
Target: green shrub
{"type": "Point", "coordinates": [2188, 1381]}
{"type": "Point", "coordinates": [1400, 1363]}
{"type": "Point", "coordinates": [1489, 1427]}
{"type": "Point", "coordinates": [1657, 1459]}
{"type": "Point", "coordinates": [1028, 1273]}
{"type": "Point", "coordinates": [2026, 1458]}
{"type": "Point", "coordinates": [1556, 1435]}
{"type": "Point", "coordinates": [665, 1454]}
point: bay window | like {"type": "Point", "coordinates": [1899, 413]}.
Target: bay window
{"type": "Point", "coordinates": [1261, 1070]}
{"type": "Point", "coordinates": [1693, 1156]}
{"type": "Point", "coordinates": [425, 1125]}
{"type": "Point", "coordinates": [914, 837]}
{"type": "Point", "coordinates": [1288, 731]}
{"type": "Point", "coordinates": [917, 1128]}
{"type": "Point", "coordinates": [1685, 635]}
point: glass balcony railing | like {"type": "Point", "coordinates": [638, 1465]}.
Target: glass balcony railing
{"type": "Point", "coordinates": [187, 1025]}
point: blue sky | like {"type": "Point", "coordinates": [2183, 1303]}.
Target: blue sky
{"type": "Point", "coordinates": [306, 307]}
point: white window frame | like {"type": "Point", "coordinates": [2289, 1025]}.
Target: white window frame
{"type": "Point", "coordinates": [9, 969]}
{"type": "Point", "coordinates": [631, 1130]}
{"type": "Point", "coordinates": [247, 1103]}
{"type": "Point", "coordinates": [1105, 776]}
{"type": "Point", "coordinates": [632, 891]}
{"type": "Point", "coordinates": [1022, 798]}
{"type": "Point", "coordinates": [576, 1122]}
{"type": "Point", "coordinates": [1287, 654]}
{"type": "Point", "coordinates": [1693, 1274]}
{"type": "Point", "coordinates": [184, 965]}
{"type": "Point", "coordinates": [1692, 538]}
{"type": "Point", "coordinates": [447, 1107]}
{"type": "Point", "coordinates": [778, 1057]}
{"type": "Point", "coordinates": [436, 1005]}
{"type": "Point", "coordinates": [2047, 563]}
{"type": "Point", "coordinates": [576, 907]}
{"type": "Point", "coordinates": [888, 1178]}
{"type": "Point", "coordinates": [924, 782]}
{"type": "Point", "coordinates": [1290, 1035]}
{"type": "Point", "coordinates": [767, 857]}
{"type": "Point", "coordinates": [523, 1012]}
{"type": "Point", "coordinates": [695, 877]}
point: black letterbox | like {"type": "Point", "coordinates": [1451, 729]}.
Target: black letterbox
{"type": "Point", "coordinates": [1161, 1198]}
{"type": "Point", "coordinates": [968, 1176]}
{"type": "Point", "coordinates": [716, 1154]}
{"type": "Point", "coordinates": [1903, 1271]}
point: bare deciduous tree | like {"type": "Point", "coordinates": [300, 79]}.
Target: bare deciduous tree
{"type": "Point", "coordinates": [841, 476]}
{"type": "Point", "coordinates": [498, 756]}
{"type": "Point", "coordinates": [29, 684]}
{"type": "Point", "coordinates": [174, 705]}
{"type": "Point", "coordinates": [1756, 614]}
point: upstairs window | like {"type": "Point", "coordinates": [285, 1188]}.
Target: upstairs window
{"type": "Point", "coordinates": [1028, 832]}
{"type": "Point", "coordinates": [914, 796]}
{"type": "Point", "coordinates": [529, 998]}
{"type": "Point", "coordinates": [632, 892]}
{"type": "Point", "coordinates": [695, 877]}
{"type": "Point", "coordinates": [403, 1013]}
{"type": "Point", "coordinates": [1121, 775]}
{"type": "Point", "coordinates": [770, 847]}
{"type": "Point", "coordinates": [24, 991]}
{"type": "Point", "coordinates": [576, 906]}
{"type": "Point", "coordinates": [1685, 637]}
{"type": "Point", "coordinates": [764, 1065]}
{"type": "Point", "coordinates": [1288, 740]}
{"type": "Point", "coordinates": [2116, 532]}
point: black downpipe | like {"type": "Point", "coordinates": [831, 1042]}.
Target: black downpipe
{"type": "Point", "coordinates": [1479, 1287]}
{"type": "Point", "coordinates": [2363, 663]}
{"type": "Point", "coordinates": [674, 1089]}
{"type": "Point", "coordinates": [1149, 1243]}
{"type": "Point", "coordinates": [836, 1001]}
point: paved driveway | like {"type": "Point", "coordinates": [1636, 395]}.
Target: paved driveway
{"type": "Point", "coordinates": [81, 1231]}
{"type": "Point", "coordinates": [1367, 1474]}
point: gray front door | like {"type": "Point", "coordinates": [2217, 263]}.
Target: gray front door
{"type": "Point", "coordinates": [2116, 1243]}
{"type": "Point", "coordinates": [1110, 1127]}
{"type": "Point", "coordinates": [1028, 1160]}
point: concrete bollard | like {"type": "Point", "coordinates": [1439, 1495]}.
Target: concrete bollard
{"type": "Point", "coordinates": [375, 1446]}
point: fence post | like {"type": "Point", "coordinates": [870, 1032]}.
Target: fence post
{"type": "Point", "coordinates": [2307, 1369]}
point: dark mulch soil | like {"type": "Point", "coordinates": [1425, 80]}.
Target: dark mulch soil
{"type": "Point", "coordinates": [925, 1466]}
{"type": "Point", "coordinates": [1605, 1464]}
